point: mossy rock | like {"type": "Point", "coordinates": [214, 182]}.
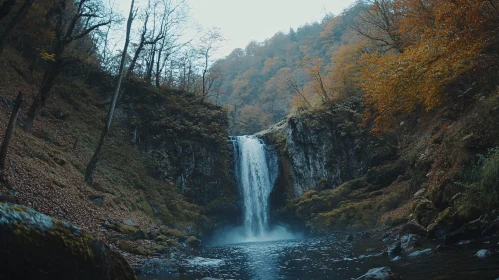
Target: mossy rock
{"type": "Point", "coordinates": [176, 233]}
{"type": "Point", "coordinates": [36, 246]}
{"type": "Point", "coordinates": [140, 234]}
{"type": "Point", "coordinates": [140, 250]}
{"type": "Point", "coordinates": [159, 248]}
{"type": "Point", "coordinates": [126, 246]}
{"type": "Point", "coordinates": [425, 212]}
{"type": "Point", "coordinates": [173, 243]}
{"type": "Point", "coordinates": [161, 238]}
{"type": "Point", "coordinates": [133, 248]}
{"type": "Point", "coordinates": [192, 241]}
{"type": "Point", "coordinates": [446, 222]}
{"type": "Point", "coordinates": [125, 229]}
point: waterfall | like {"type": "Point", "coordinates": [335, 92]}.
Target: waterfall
{"type": "Point", "coordinates": [256, 170]}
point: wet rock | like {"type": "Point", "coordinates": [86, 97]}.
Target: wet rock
{"type": "Point", "coordinates": [36, 246]}
{"type": "Point", "coordinates": [471, 230]}
{"type": "Point", "coordinates": [409, 242]}
{"type": "Point", "coordinates": [350, 238]}
{"type": "Point", "coordinates": [491, 230]}
{"type": "Point", "coordinates": [365, 235]}
{"type": "Point", "coordinates": [483, 253]}
{"type": "Point", "coordinates": [193, 241]}
{"type": "Point", "coordinates": [420, 253]}
{"type": "Point", "coordinates": [397, 258]}
{"type": "Point", "coordinates": [395, 248]}
{"type": "Point", "coordinates": [379, 273]}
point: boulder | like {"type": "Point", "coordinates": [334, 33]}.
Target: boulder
{"type": "Point", "coordinates": [471, 230]}
{"type": "Point", "coordinates": [133, 248]}
{"type": "Point", "coordinates": [425, 212]}
{"type": "Point", "coordinates": [395, 248]}
{"type": "Point", "coordinates": [36, 246]}
{"type": "Point", "coordinates": [409, 242]}
{"type": "Point", "coordinates": [161, 238]}
{"type": "Point", "coordinates": [379, 273]}
{"type": "Point", "coordinates": [193, 241]}
{"type": "Point", "coordinates": [350, 238]}
{"type": "Point", "coordinates": [483, 253]}
{"type": "Point", "coordinates": [414, 228]}
{"type": "Point", "coordinates": [446, 222]}
{"type": "Point", "coordinates": [140, 235]}
{"type": "Point", "coordinates": [416, 254]}
{"type": "Point", "coordinates": [176, 233]}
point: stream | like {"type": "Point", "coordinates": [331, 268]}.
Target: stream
{"type": "Point", "coordinates": [333, 258]}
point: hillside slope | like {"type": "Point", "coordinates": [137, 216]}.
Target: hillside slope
{"type": "Point", "coordinates": [166, 162]}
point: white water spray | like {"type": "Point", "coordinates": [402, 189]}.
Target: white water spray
{"type": "Point", "coordinates": [256, 173]}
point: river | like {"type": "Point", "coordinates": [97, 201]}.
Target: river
{"type": "Point", "coordinates": [333, 258]}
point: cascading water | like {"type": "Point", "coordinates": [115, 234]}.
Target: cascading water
{"type": "Point", "coordinates": [256, 171]}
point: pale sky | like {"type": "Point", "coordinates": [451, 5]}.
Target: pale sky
{"type": "Point", "coordinates": [242, 21]}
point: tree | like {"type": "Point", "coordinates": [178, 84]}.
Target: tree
{"type": "Point", "coordinates": [443, 41]}
{"type": "Point", "coordinates": [73, 21]}
{"type": "Point", "coordinates": [378, 23]}
{"type": "Point", "coordinates": [8, 133]}
{"type": "Point", "coordinates": [89, 172]}
{"type": "Point", "coordinates": [13, 22]}
{"type": "Point", "coordinates": [209, 76]}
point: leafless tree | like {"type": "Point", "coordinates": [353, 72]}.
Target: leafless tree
{"type": "Point", "coordinates": [73, 21]}
{"type": "Point", "coordinates": [89, 172]}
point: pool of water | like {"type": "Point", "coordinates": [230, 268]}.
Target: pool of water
{"type": "Point", "coordinates": [333, 258]}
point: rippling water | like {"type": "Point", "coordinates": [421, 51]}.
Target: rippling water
{"type": "Point", "coordinates": [334, 258]}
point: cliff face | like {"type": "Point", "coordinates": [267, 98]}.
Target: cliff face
{"type": "Point", "coordinates": [322, 150]}
{"type": "Point", "coordinates": [188, 145]}
{"type": "Point", "coordinates": [440, 175]}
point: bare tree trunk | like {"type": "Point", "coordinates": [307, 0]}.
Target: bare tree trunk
{"type": "Point", "coordinates": [13, 22]}
{"type": "Point", "coordinates": [89, 172]}
{"type": "Point", "coordinates": [8, 133]}
{"type": "Point", "coordinates": [40, 100]}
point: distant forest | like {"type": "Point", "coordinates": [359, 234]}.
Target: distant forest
{"type": "Point", "coordinates": [398, 56]}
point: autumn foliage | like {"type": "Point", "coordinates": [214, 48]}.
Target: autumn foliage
{"type": "Point", "coordinates": [441, 41]}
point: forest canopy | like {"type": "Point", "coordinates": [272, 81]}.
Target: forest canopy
{"type": "Point", "coordinates": [400, 56]}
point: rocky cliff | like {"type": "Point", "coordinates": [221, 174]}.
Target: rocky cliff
{"type": "Point", "coordinates": [323, 149]}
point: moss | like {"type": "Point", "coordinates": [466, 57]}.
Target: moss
{"type": "Point", "coordinates": [446, 222]}
{"type": "Point", "coordinates": [32, 243]}
{"type": "Point", "coordinates": [176, 233]}
{"type": "Point", "coordinates": [126, 229]}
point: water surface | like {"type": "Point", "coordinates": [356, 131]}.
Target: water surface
{"type": "Point", "coordinates": [334, 258]}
